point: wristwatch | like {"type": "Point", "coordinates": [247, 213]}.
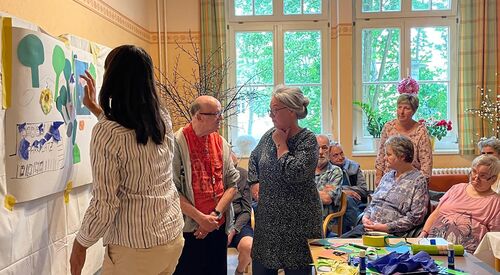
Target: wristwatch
{"type": "Point", "coordinates": [219, 214]}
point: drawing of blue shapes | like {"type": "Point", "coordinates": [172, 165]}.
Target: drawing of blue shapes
{"type": "Point", "coordinates": [42, 142]}
{"type": "Point", "coordinates": [54, 130]}
{"type": "Point", "coordinates": [21, 127]}
{"type": "Point", "coordinates": [80, 68]}
{"type": "Point", "coordinates": [35, 144]}
{"type": "Point", "coordinates": [24, 147]}
{"type": "Point", "coordinates": [47, 136]}
{"type": "Point", "coordinates": [40, 128]}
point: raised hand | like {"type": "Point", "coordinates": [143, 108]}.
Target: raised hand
{"type": "Point", "coordinates": [90, 98]}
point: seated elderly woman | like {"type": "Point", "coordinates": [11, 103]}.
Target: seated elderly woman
{"type": "Point", "coordinates": [400, 202]}
{"type": "Point", "coordinates": [491, 146]}
{"type": "Point", "coordinates": [468, 210]}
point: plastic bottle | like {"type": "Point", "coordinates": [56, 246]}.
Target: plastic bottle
{"type": "Point", "coordinates": [451, 256]}
{"type": "Point", "coordinates": [362, 262]}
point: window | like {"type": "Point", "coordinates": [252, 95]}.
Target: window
{"type": "Point", "coordinates": [399, 39]}
{"type": "Point", "coordinates": [279, 49]}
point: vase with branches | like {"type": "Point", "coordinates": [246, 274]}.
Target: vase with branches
{"type": "Point", "coordinates": [207, 77]}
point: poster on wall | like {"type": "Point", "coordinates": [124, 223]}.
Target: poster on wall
{"type": "Point", "coordinates": [47, 127]}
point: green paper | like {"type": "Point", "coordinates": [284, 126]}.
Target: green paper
{"type": "Point", "coordinates": [76, 154]}
{"type": "Point", "coordinates": [30, 54]}
{"type": "Point", "coordinates": [58, 65]}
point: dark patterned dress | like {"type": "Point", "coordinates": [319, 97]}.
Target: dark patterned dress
{"type": "Point", "coordinates": [289, 208]}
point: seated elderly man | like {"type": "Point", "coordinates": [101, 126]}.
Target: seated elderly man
{"type": "Point", "coordinates": [491, 146]}
{"type": "Point", "coordinates": [353, 184]}
{"type": "Point", "coordinates": [328, 178]}
{"type": "Point", "coordinates": [401, 200]}
{"type": "Point", "coordinates": [468, 210]}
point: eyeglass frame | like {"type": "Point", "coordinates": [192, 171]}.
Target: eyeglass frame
{"type": "Point", "coordinates": [479, 176]}
{"type": "Point", "coordinates": [217, 114]}
{"type": "Point", "coordinates": [272, 112]}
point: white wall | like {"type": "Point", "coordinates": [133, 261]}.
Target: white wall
{"type": "Point", "coordinates": [36, 236]}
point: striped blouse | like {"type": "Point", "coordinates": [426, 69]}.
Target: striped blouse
{"type": "Point", "coordinates": [135, 203]}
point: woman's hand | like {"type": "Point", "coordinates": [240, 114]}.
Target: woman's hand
{"type": "Point", "coordinates": [90, 98]}
{"type": "Point", "coordinates": [77, 259]}
{"type": "Point", "coordinates": [366, 221]}
{"type": "Point", "coordinates": [382, 227]}
{"type": "Point", "coordinates": [280, 137]}
{"type": "Point", "coordinates": [230, 237]}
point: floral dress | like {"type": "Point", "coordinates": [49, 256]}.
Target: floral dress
{"type": "Point", "coordinates": [422, 157]}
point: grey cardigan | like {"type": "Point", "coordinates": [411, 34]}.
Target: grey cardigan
{"type": "Point", "coordinates": [182, 177]}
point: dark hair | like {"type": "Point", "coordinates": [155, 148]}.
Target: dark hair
{"type": "Point", "coordinates": [128, 94]}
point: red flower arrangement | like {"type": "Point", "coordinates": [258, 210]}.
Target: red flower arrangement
{"type": "Point", "coordinates": [436, 128]}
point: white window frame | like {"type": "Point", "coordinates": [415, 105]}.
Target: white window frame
{"type": "Point", "coordinates": [448, 144]}
{"type": "Point", "coordinates": [278, 14]}
{"type": "Point", "coordinates": [279, 25]}
{"type": "Point", "coordinates": [406, 11]}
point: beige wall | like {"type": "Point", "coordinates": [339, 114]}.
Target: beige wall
{"type": "Point", "coordinates": [68, 16]}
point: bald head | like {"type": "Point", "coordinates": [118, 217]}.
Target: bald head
{"type": "Point", "coordinates": [202, 102]}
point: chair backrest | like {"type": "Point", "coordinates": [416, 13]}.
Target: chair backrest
{"type": "Point", "coordinates": [443, 183]}
{"type": "Point", "coordinates": [339, 214]}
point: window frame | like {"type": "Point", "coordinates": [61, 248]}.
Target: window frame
{"type": "Point", "coordinates": [277, 6]}
{"type": "Point", "coordinates": [279, 28]}
{"type": "Point", "coordinates": [406, 11]}
{"type": "Point", "coordinates": [448, 144]}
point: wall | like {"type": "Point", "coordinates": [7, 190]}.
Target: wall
{"type": "Point", "coordinates": [36, 236]}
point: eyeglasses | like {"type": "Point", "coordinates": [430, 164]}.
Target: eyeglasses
{"type": "Point", "coordinates": [482, 177]}
{"type": "Point", "coordinates": [273, 112]}
{"type": "Point", "coordinates": [217, 114]}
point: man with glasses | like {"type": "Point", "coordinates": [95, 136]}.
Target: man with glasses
{"type": "Point", "coordinates": [206, 180]}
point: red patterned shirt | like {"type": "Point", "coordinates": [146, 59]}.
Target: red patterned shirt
{"type": "Point", "coordinates": [206, 166]}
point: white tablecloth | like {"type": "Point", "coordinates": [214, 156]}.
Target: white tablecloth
{"type": "Point", "coordinates": [489, 248]}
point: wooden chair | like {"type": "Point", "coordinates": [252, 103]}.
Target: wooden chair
{"type": "Point", "coordinates": [339, 215]}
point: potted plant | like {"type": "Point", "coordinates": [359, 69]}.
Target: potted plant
{"type": "Point", "coordinates": [437, 129]}
{"type": "Point", "coordinates": [375, 122]}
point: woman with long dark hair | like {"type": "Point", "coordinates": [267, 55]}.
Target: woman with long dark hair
{"type": "Point", "coordinates": [135, 205]}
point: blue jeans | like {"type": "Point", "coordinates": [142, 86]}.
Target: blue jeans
{"type": "Point", "coordinates": [351, 214]}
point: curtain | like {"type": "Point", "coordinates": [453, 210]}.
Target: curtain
{"type": "Point", "coordinates": [213, 38]}
{"type": "Point", "coordinates": [213, 51]}
{"type": "Point", "coordinates": [478, 65]}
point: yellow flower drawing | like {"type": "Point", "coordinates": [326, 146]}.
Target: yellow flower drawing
{"type": "Point", "coordinates": [46, 99]}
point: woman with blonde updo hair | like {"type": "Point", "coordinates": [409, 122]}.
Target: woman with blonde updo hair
{"type": "Point", "coordinates": [282, 167]}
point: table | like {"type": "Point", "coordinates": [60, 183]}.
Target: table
{"type": "Point", "coordinates": [468, 262]}
{"type": "Point", "coordinates": [488, 250]}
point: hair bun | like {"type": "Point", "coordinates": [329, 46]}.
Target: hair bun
{"type": "Point", "coordinates": [305, 102]}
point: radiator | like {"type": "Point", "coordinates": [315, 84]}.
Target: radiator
{"type": "Point", "coordinates": [370, 174]}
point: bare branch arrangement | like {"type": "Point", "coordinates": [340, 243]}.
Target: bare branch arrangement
{"type": "Point", "coordinates": [208, 77]}
{"type": "Point", "coordinates": [488, 110]}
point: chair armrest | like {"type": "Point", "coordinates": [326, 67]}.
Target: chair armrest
{"type": "Point", "coordinates": [338, 214]}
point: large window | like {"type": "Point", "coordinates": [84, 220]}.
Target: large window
{"type": "Point", "coordinates": [398, 38]}
{"type": "Point", "coordinates": [278, 49]}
